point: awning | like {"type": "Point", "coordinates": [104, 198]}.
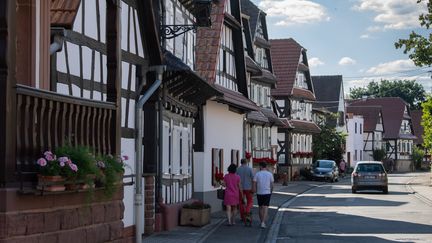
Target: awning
{"type": "Point", "coordinates": [305, 126]}
{"type": "Point", "coordinates": [235, 99]}
{"type": "Point", "coordinates": [184, 84]}
{"type": "Point", "coordinates": [272, 117]}
{"type": "Point", "coordinates": [252, 66]}
{"type": "Point", "coordinates": [266, 77]}
{"type": "Point", "coordinates": [303, 94]}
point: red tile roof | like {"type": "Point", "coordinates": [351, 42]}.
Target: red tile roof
{"type": "Point", "coordinates": [303, 94]}
{"type": "Point", "coordinates": [416, 117]}
{"type": "Point", "coordinates": [63, 12]}
{"type": "Point", "coordinates": [208, 44]}
{"type": "Point", "coordinates": [392, 109]}
{"type": "Point", "coordinates": [285, 59]}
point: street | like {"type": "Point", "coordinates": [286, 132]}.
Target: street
{"type": "Point", "coordinates": [331, 213]}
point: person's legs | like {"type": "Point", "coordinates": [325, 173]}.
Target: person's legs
{"type": "Point", "coordinates": [228, 212]}
{"type": "Point", "coordinates": [249, 200]}
{"type": "Point", "coordinates": [233, 214]}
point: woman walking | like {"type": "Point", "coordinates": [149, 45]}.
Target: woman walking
{"type": "Point", "coordinates": [232, 193]}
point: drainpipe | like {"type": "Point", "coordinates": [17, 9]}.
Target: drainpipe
{"type": "Point", "coordinates": [138, 199]}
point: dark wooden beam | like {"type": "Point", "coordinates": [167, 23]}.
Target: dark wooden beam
{"type": "Point", "coordinates": [114, 58]}
{"type": "Point", "coordinates": [7, 91]}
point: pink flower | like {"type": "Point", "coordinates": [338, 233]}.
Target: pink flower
{"type": "Point", "coordinates": [42, 162]}
{"type": "Point", "coordinates": [73, 167]}
{"type": "Point", "coordinates": [49, 156]}
{"type": "Point", "coordinates": [63, 161]}
{"type": "Point", "coordinates": [125, 157]}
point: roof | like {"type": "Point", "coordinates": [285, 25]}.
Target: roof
{"type": "Point", "coordinates": [416, 117]}
{"type": "Point", "coordinates": [208, 44]}
{"type": "Point", "coordinates": [327, 88]}
{"type": "Point", "coordinates": [392, 109]}
{"type": "Point", "coordinates": [370, 115]}
{"type": "Point", "coordinates": [303, 94]}
{"type": "Point", "coordinates": [235, 99]}
{"type": "Point", "coordinates": [286, 54]}
{"type": "Point", "coordinates": [272, 117]}
{"type": "Point", "coordinates": [63, 12]}
{"type": "Point", "coordinates": [305, 126]}
{"type": "Point", "coordinates": [250, 9]}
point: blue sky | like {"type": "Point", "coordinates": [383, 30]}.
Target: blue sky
{"type": "Point", "coordinates": [353, 38]}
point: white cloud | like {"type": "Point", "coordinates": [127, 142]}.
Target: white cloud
{"type": "Point", "coordinates": [392, 67]}
{"type": "Point", "coordinates": [393, 14]}
{"type": "Point", "coordinates": [294, 11]}
{"type": "Point", "coordinates": [315, 62]}
{"type": "Point", "coordinates": [365, 36]}
{"type": "Point", "coordinates": [344, 61]}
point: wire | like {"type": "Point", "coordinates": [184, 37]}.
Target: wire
{"type": "Point", "coordinates": [371, 76]}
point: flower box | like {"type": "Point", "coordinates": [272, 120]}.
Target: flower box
{"type": "Point", "coordinates": [195, 217]}
{"type": "Point", "coordinates": [195, 214]}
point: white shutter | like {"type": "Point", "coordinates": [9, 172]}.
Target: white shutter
{"type": "Point", "coordinates": [169, 21]}
{"type": "Point", "coordinates": [178, 41]}
{"type": "Point", "coordinates": [165, 156]}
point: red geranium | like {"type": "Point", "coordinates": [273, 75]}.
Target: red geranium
{"type": "Point", "coordinates": [248, 155]}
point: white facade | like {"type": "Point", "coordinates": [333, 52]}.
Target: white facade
{"type": "Point", "coordinates": [354, 140]}
{"type": "Point", "coordinates": [223, 133]}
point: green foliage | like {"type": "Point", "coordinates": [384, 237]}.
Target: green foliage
{"type": "Point", "coordinates": [328, 144]}
{"type": "Point", "coordinates": [111, 172]}
{"type": "Point", "coordinates": [417, 157]}
{"type": "Point", "coordinates": [82, 157]}
{"type": "Point", "coordinates": [379, 154]}
{"type": "Point", "coordinates": [427, 123]}
{"type": "Point", "coordinates": [419, 47]}
{"type": "Point", "coordinates": [411, 92]}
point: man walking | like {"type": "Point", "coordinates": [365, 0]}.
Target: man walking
{"type": "Point", "coordinates": [263, 186]}
{"type": "Point", "coordinates": [246, 179]}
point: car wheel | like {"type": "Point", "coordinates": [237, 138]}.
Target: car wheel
{"type": "Point", "coordinates": [353, 190]}
{"type": "Point", "coordinates": [385, 190]}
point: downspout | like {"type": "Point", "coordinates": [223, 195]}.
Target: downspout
{"type": "Point", "coordinates": [138, 202]}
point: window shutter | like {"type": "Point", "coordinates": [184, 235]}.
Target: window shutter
{"type": "Point", "coordinates": [169, 21]}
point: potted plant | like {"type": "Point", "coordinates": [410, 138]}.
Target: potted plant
{"type": "Point", "coordinates": [53, 170]}
{"type": "Point", "coordinates": [111, 170]}
{"type": "Point", "coordinates": [196, 214]}
{"type": "Point", "coordinates": [86, 162]}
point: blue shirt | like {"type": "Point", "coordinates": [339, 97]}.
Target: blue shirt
{"type": "Point", "coordinates": [246, 177]}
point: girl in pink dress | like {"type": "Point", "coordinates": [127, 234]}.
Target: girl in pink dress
{"type": "Point", "coordinates": [232, 192]}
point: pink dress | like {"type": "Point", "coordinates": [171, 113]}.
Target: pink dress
{"type": "Point", "coordinates": [232, 192]}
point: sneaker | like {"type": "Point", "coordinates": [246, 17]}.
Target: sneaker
{"type": "Point", "coordinates": [263, 225]}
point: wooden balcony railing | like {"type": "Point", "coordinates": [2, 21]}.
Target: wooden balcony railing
{"type": "Point", "coordinates": [46, 120]}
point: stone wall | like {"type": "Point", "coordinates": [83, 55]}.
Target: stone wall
{"type": "Point", "coordinates": [60, 218]}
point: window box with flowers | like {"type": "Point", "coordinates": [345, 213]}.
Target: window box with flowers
{"type": "Point", "coordinates": [76, 168]}
{"type": "Point", "coordinates": [195, 214]}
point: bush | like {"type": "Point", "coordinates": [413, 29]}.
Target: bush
{"type": "Point", "coordinates": [379, 154]}
{"type": "Point", "coordinates": [417, 156]}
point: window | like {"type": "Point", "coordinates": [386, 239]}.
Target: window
{"type": "Point", "coordinates": [226, 69]}
{"type": "Point", "coordinates": [355, 127]}
{"type": "Point", "coordinates": [235, 157]}
{"type": "Point", "coordinates": [217, 163]}
{"type": "Point", "coordinates": [361, 128]}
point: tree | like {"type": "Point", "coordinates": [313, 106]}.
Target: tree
{"type": "Point", "coordinates": [328, 144]}
{"type": "Point", "coordinates": [427, 123]}
{"type": "Point", "coordinates": [419, 47]}
{"type": "Point", "coordinates": [379, 154]}
{"type": "Point", "coordinates": [410, 91]}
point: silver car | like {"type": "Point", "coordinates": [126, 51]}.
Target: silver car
{"type": "Point", "coordinates": [326, 170]}
{"type": "Point", "coordinates": [369, 175]}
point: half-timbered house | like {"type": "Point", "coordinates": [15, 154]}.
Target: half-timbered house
{"type": "Point", "coordinates": [220, 130]}
{"type": "Point", "coordinates": [170, 116]}
{"type": "Point", "coordinates": [261, 127]}
{"type": "Point", "coordinates": [398, 134]}
{"type": "Point", "coordinates": [60, 65]}
{"type": "Point", "coordinates": [294, 96]}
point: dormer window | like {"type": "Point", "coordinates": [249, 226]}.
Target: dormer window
{"type": "Point", "coordinates": [259, 31]}
{"type": "Point", "coordinates": [300, 81]}
{"type": "Point", "coordinates": [228, 6]}
{"type": "Point", "coordinates": [261, 57]}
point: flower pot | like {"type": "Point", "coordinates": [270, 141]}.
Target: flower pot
{"type": "Point", "coordinates": [195, 217]}
{"type": "Point", "coordinates": [51, 183]}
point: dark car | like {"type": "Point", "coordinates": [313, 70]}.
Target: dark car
{"type": "Point", "coordinates": [369, 175]}
{"type": "Point", "coordinates": [325, 170]}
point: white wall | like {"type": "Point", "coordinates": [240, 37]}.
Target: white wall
{"type": "Point", "coordinates": [355, 140]}
{"type": "Point", "coordinates": [222, 129]}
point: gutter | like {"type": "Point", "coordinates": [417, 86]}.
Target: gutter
{"type": "Point", "coordinates": [138, 197]}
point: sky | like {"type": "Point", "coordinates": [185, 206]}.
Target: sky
{"type": "Point", "coordinates": [352, 38]}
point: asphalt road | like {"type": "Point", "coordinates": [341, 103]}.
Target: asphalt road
{"type": "Point", "coordinates": [331, 213]}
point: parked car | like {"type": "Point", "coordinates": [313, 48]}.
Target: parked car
{"type": "Point", "coordinates": [325, 170]}
{"type": "Point", "coordinates": [369, 175]}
